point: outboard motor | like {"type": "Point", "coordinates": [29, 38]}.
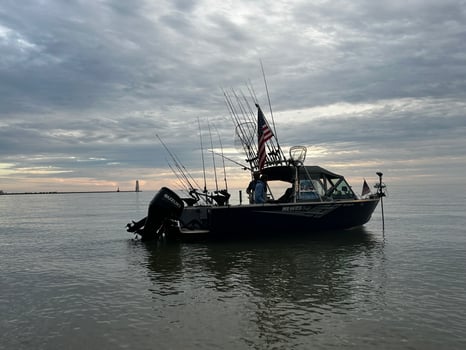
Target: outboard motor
{"type": "Point", "coordinates": [165, 205]}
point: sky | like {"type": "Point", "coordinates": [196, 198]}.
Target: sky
{"type": "Point", "coordinates": [366, 86]}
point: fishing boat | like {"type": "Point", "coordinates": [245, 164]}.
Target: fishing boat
{"type": "Point", "coordinates": [312, 199]}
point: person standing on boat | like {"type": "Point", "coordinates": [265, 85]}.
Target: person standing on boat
{"type": "Point", "coordinates": [252, 187]}
{"type": "Point", "coordinates": [260, 192]}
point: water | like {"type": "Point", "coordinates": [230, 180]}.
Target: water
{"type": "Point", "coordinates": [71, 277]}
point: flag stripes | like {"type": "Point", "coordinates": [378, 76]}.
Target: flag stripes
{"type": "Point", "coordinates": [264, 133]}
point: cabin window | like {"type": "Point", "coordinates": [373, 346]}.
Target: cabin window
{"type": "Point", "coordinates": [277, 188]}
{"type": "Point", "coordinates": [318, 187]}
{"type": "Point", "coordinates": [307, 190]}
{"type": "Point", "coordinates": [342, 191]}
{"type": "Point", "coordinates": [305, 185]}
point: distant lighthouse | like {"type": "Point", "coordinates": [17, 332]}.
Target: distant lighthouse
{"type": "Point", "coordinates": [137, 185]}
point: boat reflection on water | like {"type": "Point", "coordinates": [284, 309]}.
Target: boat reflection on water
{"type": "Point", "coordinates": [285, 287]}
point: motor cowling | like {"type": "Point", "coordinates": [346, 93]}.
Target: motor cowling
{"type": "Point", "coordinates": [166, 205]}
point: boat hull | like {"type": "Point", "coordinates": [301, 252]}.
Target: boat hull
{"type": "Point", "coordinates": [272, 219]}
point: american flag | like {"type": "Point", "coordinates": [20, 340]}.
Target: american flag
{"type": "Point", "coordinates": [263, 134]}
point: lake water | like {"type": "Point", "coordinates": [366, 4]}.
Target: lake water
{"type": "Point", "coordinates": [73, 278]}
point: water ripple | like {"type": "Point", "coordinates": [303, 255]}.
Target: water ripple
{"type": "Point", "coordinates": [71, 278]}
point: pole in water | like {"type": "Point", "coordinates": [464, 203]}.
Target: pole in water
{"type": "Point", "coordinates": [381, 194]}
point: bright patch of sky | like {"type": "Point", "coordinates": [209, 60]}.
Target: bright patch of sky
{"type": "Point", "coordinates": [85, 87]}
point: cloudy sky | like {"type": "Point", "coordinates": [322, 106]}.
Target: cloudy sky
{"type": "Point", "coordinates": [85, 87]}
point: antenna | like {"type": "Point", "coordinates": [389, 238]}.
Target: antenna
{"type": "Point", "coordinates": [202, 155]}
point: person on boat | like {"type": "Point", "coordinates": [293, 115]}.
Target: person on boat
{"type": "Point", "coordinates": [252, 187]}
{"type": "Point", "coordinates": [260, 191]}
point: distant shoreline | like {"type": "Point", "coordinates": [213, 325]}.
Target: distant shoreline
{"type": "Point", "coordinates": [60, 192]}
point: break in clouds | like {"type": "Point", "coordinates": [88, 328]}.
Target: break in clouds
{"type": "Point", "coordinates": [85, 87]}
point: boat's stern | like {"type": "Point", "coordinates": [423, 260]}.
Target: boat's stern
{"type": "Point", "coordinates": [165, 207]}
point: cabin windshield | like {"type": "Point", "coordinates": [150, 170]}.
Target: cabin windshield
{"type": "Point", "coordinates": [341, 191]}
{"type": "Point", "coordinates": [323, 185]}
{"type": "Point", "coordinates": [313, 183]}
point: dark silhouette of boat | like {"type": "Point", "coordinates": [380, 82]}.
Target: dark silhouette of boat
{"type": "Point", "coordinates": [314, 199]}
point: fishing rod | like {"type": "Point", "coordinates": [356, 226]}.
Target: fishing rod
{"type": "Point", "coordinates": [223, 160]}
{"type": "Point", "coordinates": [268, 97]}
{"type": "Point", "coordinates": [243, 134]}
{"type": "Point", "coordinates": [213, 157]}
{"type": "Point", "coordinates": [248, 111]}
{"type": "Point", "coordinates": [247, 131]}
{"type": "Point", "coordinates": [248, 128]}
{"type": "Point", "coordinates": [274, 153]}
{"type": "Point", "coordinates": [183, 187]}
{"type": "Point", "coordinates": [202, 155]}
{"type": "Point", "coordinates": [181, 168]}
{"type": "Point", "coordinates": [180, 179]}
{"type": "Point", "coordinates": [245, 167]}
{"type": "Point", "coordinates": [271, 113]}
{"type": "Point", "coordinates": [231, 108]}
{"type": "Point", "coordinates": [251, 91]}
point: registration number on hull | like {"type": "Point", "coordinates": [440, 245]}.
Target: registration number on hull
{"type": "Point", "coordinates": [313, 210]}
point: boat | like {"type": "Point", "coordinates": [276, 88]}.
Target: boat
{"type": "Point", "coordinates": [313, 199]}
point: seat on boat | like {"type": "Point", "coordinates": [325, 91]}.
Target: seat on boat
{"type": "Point", "coordinates": [287, 196]}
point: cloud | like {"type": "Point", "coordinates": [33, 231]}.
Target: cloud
{"type": "Point", "coordinates": [84, 87]}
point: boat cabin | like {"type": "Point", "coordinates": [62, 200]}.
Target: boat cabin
{"type": "Point", "coordinates": [308, 183]}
